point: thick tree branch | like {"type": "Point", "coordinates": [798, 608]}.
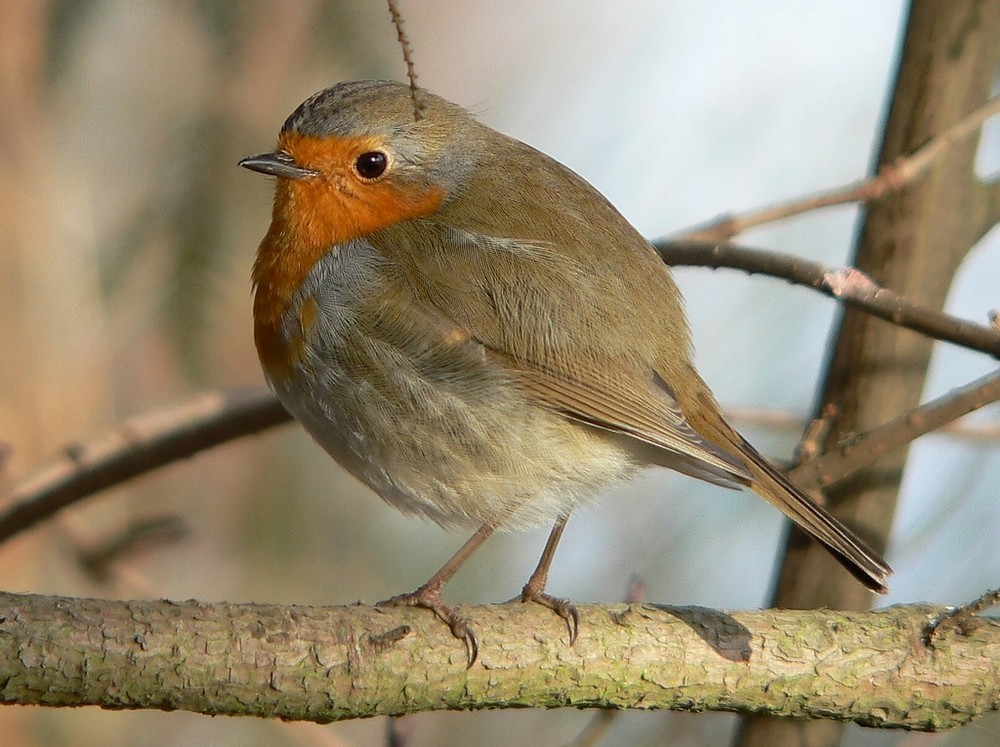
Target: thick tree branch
{"type": "Point", "coordinates": [331, 663]}
{"type": "Point", "coordinates": [912, 242]}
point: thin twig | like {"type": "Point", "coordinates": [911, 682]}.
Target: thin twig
{"type": "Point", "coordinates": [812, 442]}
{"type": "Point", "coordinates": [964, 619]}
{"type": "Point", "coordinates": [399, 731]}
{"type": "Point", "coordinates": [891, 178]}
{"type": "Point", "coordinates": [787, 420]}
{"type": "Point", "coordinates": [846, 284]}
{"type": "Point", "coordinates": [137, 446]}
{"type": "Point", "coordinates": [411, 70]}
{"type": "Point", "coordinates": [865, 449]}
{"type": "Point", "coordinates": [143, 535]}
{"type": "Point", "coordinates": [595, 730]}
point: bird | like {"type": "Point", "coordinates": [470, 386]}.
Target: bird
{"type": "Point", "coordinates": [473, 331]}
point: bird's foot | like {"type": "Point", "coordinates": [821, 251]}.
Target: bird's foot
{"type": "Point", "coordinates": [429, 597]}
{"type": "Point", "coordinates": [562, 607]}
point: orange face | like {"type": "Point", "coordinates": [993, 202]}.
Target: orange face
{"type": "Point", "coordinates": [340, 204]}
{"type": "Point", "coordinates": [313, 215]}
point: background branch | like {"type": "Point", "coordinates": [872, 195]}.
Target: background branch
{"type": "Point", "coordinates": [891, 179]}
{"type": "Point", "coordinates": [136, 446]}
{"type": "Point", "coordinates": [852, 287]}
{"type": "Point", "coordinates": [856, 453]}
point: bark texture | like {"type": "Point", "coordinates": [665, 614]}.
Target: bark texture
{"type": "Point", "coordinates": [331, 663]}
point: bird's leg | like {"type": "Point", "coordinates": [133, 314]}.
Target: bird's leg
{"type": "Point", "coordinates": [428, 595]}
{"type": "Point", "coordinates": [534, 590]}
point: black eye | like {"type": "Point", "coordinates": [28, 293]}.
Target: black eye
{"type": "Point", "coordinates": [371, 165]}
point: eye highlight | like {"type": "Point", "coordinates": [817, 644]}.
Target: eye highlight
{"type": "Point", "coordinates": [371, 165]}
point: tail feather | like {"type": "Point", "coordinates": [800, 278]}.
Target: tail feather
{"type": "Point", "coordinates": [850, 550]}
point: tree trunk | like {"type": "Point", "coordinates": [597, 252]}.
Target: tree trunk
{"type": "Point", "coordinates": [912, 242]}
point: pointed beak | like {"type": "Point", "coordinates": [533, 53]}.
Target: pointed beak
{"type": "Point", "coordinates": [278, 164]}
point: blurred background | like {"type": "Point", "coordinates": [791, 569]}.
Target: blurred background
{"type": "Point", "coordinates": [127, 234]}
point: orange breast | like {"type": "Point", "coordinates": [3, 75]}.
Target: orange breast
{"type": "Point", "coordinates": [313, 217]}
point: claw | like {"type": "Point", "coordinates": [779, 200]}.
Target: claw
{"type": "Point", "coordinates": [562, 607]}
{"type": "Point", "coordinates": [429, 597]}
{"type": "Point", "coordinates": [461, 629]}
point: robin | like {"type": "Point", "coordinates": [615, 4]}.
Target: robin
{"type": "Point", "coordinates": [475, 333]}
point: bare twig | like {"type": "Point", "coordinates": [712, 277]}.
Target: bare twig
{"type": "Point", "coordinates": [964, 619]}
{"type": "Point", "coordinates": [399, 731]}
{"type": "Point", "coordinates": [411, 70]}
{"type": "Point", "coordinates": [812, 441]}
{"type": "Point", "coordinates": [595, 730]}
{"type": "Point", "coordinates": [890, 179]}
{"type": "Point", "coordinates": [846, 284]}
{"type": "Point", "coordinates": [139, 536]}
{"type": "Point", "coordinates": [135, 447]}
{"type": "Point", "coordinates": [865, 449]}
{"type": "Point", "coordinates": [787, 420]}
